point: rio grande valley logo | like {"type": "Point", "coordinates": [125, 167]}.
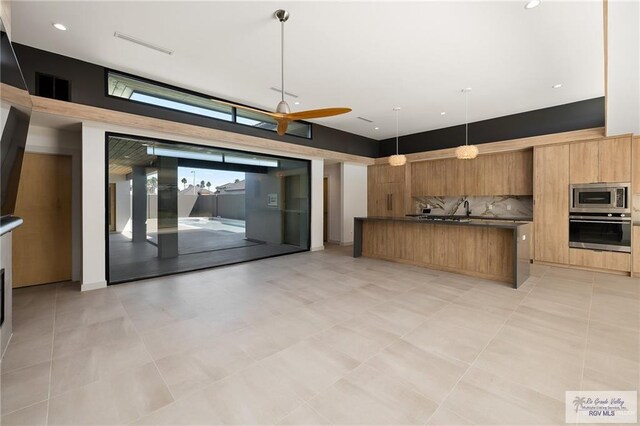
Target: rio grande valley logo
{"type": "Point", "coordinates": [601, 407]}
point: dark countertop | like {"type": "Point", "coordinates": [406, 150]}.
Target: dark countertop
{"type": "Point", "coordinates": [636, 223]}
{"type": "Point", "coordinates": [486, 223]}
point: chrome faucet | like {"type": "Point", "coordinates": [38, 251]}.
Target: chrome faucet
{"type": "Point", "coordinates": [466, 208]}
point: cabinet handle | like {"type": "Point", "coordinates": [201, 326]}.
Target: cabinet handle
{"type": "Point", "coordinates": [391, 201]}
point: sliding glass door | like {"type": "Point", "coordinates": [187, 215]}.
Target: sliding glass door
{"type": "Point", "coordinates": [181, 207]}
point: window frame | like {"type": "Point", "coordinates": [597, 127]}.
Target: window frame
{"type": "Point", "coordinates": [232, 120]}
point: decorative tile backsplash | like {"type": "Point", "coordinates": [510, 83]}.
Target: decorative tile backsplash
{"type": "Point", "coordinates": [492, 206]}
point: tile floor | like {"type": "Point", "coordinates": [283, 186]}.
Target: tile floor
{"type": "Point", "coordinates": [319, 338]}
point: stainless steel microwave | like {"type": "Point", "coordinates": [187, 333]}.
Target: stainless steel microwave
{"type": "Point", "coordinates": [600, 198]}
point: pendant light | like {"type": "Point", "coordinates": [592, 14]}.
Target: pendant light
{"type": "Point", "coordinates": [466, 151]}
{"type": "Point", "coordinates": [397, 159]}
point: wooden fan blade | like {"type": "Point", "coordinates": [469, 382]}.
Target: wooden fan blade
{"type": "Point", "coordinates": [316, 113]}
{"type": "Point", "coordinates": [282, 126]}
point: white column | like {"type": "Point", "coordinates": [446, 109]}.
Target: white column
{"type": "Point", "coordinates": [317, 205]}
{"type": "Point", "coordinates": [93, 208]}
{"type": "Point", "coordinates": [623, 67]}
{"type": "Point", "coordinates": [354, 197]}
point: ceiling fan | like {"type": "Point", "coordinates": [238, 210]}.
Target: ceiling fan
{"type": "Point", "coordinates": [283, 115]}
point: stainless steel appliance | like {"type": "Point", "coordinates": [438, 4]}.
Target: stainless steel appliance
{"type": "Point", "coordinates": [607, 232]}
{"type": "Point", "coordinates": [600, 198]}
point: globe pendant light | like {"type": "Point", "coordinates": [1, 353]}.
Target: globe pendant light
{"type": "Point", "coordinates": [466, 151]}
{"type": "Point", "coordinates": [397, 159]}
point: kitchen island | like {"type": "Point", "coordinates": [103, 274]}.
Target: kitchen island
{"type": "Point", "coordinates": [491, 249]}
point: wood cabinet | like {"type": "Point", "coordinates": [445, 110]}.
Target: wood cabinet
{"type": "Point", "coordinates": [384, 173]}
{"type": "Point", "coordinates": [635, 164]}
{"type": "Point", "coordinates": [551, 203]}
{"type": "Point", "coordinates": [605, 160]}
{"type": "Point", "coordinates": [635, 251]}
{"type": "Point", "coordinates": [615, 159]}
{"type": "Point", "coordinates": [385, 190]}
{"type": "Point", "coordinates": [509, 173]}
{"type": "Point", "coordinates": [475, 182]}
{"type": "Point", "coordinates": [600, 259]}
{"type": "Point", "coordinates": [478, 251]}
{"type": "Point", "coordinates": [583, 162]}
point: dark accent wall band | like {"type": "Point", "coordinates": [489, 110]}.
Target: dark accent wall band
{"type": "Point", "coordinates": [585, 114]}
{"type": "Point", "coordinates": [88, 88]}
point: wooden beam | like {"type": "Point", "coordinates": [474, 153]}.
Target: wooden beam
{"type": "Point", "coordinates": [509, 145]}
{"type": "Point", "coordinates": [90, 113]}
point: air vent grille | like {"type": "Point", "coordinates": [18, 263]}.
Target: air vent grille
{"type": "Point", "coordinates": [143, 43]}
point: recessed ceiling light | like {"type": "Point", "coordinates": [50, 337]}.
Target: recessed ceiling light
{"type": "Point", "coordinates": [59, 26]}
{"type": "Point", "coordinates": [556, 86]}
{"type": "Point", "coordinates": [296, 103]}
{"type": "Point", "coordinates": [443, 113]}
{"type": "Point", "coordinates": [532, 4]}
{"type": "Point", "coordinates": [376, 128]}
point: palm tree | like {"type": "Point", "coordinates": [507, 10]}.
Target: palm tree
{"type": "Point", "coordinates": [579, 402]}
{"type": "Point", "coordinates": [152, 185]}
{"type": "Point", "coordinates": [208, 186]}
{"type": "Point", "coordinates": [184, 181]}
{"type": "Point", "coordinates": [201, 184]}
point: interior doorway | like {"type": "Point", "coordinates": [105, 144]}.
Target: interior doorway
{"type": "Point", "coordinates": [42, 245]}
{"type": "Point", "coordinates": [325, 214]}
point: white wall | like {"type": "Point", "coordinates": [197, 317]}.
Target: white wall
{"type": "Point", "coordinates": [46, 140]}
{"type": "Point", "coordinates": [623, 97]}
{"type": "Point", "coordinates": [317, 204]}
{"type": "Point", "coordinates": [334, 231]}
{"type": "Point", "coordinates": [354, 197]}
{"type": "Point", "coordinates": [93, 207]}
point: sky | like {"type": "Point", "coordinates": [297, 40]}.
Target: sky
{"type": "Point", "coordinates": [216, 177]}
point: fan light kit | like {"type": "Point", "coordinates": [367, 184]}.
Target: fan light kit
{"type": "Point", "coordinates": [466, 151]}
{"type": "Point", "coordinates": [397, 159]}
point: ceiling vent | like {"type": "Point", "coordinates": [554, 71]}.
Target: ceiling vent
{"type": "Point", "coordinates": [275, 89]}
{"type": "Point", "coordinates": [143, 43]}
{"type": "Point", "coordinates": [365, 119]}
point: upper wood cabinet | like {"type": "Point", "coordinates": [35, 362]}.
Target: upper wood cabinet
{"type": "Point", "coordinates": [583, 162]}
{"type": "Point", "coordinates": [615, 159]}
{"type": "Point", "coordinates": [605, 160]}
{"type": "Point", "coordinates": [509, 173]}
{"type": "Point", "coordinates": [551, 203]}
{"type": "Point", "coordinates": [384, 173]}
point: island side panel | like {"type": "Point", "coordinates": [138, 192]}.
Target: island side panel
{"type": "Point", "coordinates": [484, 252]}
{"type": "Point", "coordinates": [357, 237]}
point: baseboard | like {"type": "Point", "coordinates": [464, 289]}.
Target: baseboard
{"type": "Point", "coordinates": [93, 286]}
{"type": "Point", "coordinates": [317, 248]}
{"type": "Point", "coordinates": [347, 243]}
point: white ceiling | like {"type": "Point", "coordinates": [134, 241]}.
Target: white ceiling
{"type": "Point", "coordinates": [370, 56]}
